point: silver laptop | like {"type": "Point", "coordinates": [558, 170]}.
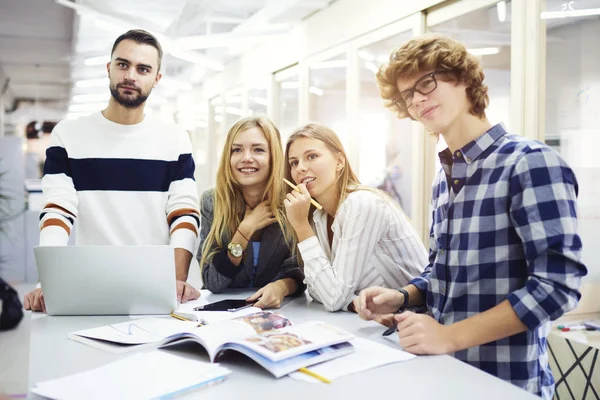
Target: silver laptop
{"type": "Point", "coordinates": [107, 280]}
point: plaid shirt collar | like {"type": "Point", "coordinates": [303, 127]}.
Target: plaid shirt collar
{"type": "Point", "coordinates": [472, 150]}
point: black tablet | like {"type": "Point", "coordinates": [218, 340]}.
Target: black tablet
{"type": "Point", "coordinates": [225, 305]}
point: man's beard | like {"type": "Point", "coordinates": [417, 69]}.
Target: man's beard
{"type": "Point", "coordinates": [128, 101]}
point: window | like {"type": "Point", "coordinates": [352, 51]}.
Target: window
{"type": "Point", "coordinates": [385, 142]}
{"type": "Point", "coordinates": [572, 125]}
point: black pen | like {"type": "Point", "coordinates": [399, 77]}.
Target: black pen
{"type": "Point", "coordinates": [392, 329]}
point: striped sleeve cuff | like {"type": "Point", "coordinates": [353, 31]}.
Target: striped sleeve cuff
{"type": "Point", "coordinates": [188, 218]}
{"type": "Point", "coordinates": [184, 239]}
{"type": "Point", "coordinates": [309, 249]}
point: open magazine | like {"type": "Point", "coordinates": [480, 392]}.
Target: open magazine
{"type": "Point", "coordinates": [268, 338]}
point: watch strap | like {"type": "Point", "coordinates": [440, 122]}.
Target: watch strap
{"type": "Point", "coordinates": [405, 304]}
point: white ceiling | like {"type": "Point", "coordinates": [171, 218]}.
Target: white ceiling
{"type": "Point", "coordinates": [35, 45]}
{"type": "Point", "coordinates": [44, 43]}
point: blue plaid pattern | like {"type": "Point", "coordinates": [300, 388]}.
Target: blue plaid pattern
{"type": "Point", "coordinates": [507, 231]}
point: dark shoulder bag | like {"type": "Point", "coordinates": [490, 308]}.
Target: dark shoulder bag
{"type": "Point", "coordinates": [12, 309]}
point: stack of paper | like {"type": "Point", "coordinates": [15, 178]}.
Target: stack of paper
{"type": "Point", "coordinates": [368, 355]}
{"type": "Point", "coordinates": [152, 375]}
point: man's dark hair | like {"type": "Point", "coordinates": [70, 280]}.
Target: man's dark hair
{"type": "Point", "coordinates": [140, 36]}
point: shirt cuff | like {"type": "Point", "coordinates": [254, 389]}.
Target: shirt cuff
{"type": "Point", "coordinates": [421, 284]}
{"type": "Point", "coordinates": [310, 249]}
{"type": "Point", "coordinates": [529, 310]}
{"type": "Point", "coordinates": [184, 239]}
{"type": "Point", "coordinates": [224, 266]}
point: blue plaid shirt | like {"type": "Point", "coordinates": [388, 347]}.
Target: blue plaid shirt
{"type": "Point", "coordinates": [507, 231]}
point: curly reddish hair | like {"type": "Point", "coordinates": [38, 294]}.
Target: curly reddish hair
{"type": "Point", "coordinates": [433, 53]}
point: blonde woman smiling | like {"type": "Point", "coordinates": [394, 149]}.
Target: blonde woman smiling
{"type": "Point", "coordinates": [244, 241]}
{"type": "Point", "coordinates": [360, 238]}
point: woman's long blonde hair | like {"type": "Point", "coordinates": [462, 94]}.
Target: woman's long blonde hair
{"type": "Point", "coordinates": [229, 205]}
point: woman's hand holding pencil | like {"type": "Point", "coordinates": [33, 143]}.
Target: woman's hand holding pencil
{"type": "Point", "coordinates": [297, 205]}
{"type": "Point", "coordinates": [312, 201]}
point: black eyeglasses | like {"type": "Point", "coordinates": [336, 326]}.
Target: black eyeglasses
{"type": "Point", "coordinates": [424, 85]}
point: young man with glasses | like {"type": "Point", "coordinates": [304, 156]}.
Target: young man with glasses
{"type": "Point", "coordinates": [505, 257]}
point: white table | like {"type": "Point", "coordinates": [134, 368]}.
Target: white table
{"type": "Point", "coordinates": [584, 347]}
{"type": "Point", "coordinates": [52, 355]}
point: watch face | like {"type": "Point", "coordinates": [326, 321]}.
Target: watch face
{"type": "Point", "coordinates": [235, 249]}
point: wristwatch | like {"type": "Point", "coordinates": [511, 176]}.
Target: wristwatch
{"type": "Point", "coordinates": [235, 249]}
{"type": "Point", "coordinates": [405, 304]}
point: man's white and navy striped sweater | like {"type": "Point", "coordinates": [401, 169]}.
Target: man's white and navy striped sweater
{"type": "Point", "coordinates": [124, 184]}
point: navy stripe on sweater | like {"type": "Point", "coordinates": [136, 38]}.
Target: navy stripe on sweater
{"type": "Point", "coordinates": [119, 174]}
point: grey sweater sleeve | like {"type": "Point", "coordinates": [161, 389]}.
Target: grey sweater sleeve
{"type": "Point", "coordinates": [220, 271]}
{"type": "Point", "coordinates": [291, 269]}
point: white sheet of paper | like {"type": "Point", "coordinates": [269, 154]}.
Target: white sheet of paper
{"type": "Point", "coordinates": [368, 355]}
{"type": "Point", "coordinates": [140, 331]}
{"type": "Point", "coordinates": [140, 376]}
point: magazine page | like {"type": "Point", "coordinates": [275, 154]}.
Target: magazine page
{"type": "Point", "coordinates": [290, 341]}
{"type": "Point", "coordinates": [139, 331]}
{"type": "Point", "coordinates": [289, 365]}
{"type": "Point", "coordinates": [264, 321]}
{"type": "Point", "coordinates": [214, 336]}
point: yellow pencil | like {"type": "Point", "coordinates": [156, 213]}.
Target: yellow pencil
{"type": "Point", "coordinates": [314, 375]}
{"type": "Point", "coordinates": [313, 202]}
{"type": "Point", "coordinates": [179, 317]}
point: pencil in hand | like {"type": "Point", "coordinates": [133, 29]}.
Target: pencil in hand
{"type": "Point", "coordinates": [312, 201]}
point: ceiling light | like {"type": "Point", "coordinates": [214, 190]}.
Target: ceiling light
{"type": "Point", "coordinates": [85, 83]}
{"type": "Point", "coordinates": [175, 84]}
{"type": "Point", "coordinates": [87, 107]}
{"type": "Point", "coordinates": [586, 12]}
{"type": "Point", "coordinates": [196, 58]}
{"type": "Point", "coordinates": [90, 98]}
{"type": "Point", "coordinates": [484, 51]}
{"type": "Point", "coordinates": [501, 9]}
{"type": "Point", "coordinates": [75, 115]}
{"type": "Point", "coordinates": [105, 25]}
{"type": "Point", "coordinates": [366, 55]}
{"type": "Point", "coordinates": [100, 60]}
{"type": "Point", "coordinates": [329, 64]}
{"type": "Point", "coordinates": [315, 90]}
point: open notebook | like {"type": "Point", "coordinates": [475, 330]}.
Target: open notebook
{"type": "Point", "coordinates": [269, 339]}
{"type": "Point", "coordinates": [153, 375]}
